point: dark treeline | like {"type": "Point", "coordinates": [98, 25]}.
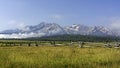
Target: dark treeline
{"type": "Point", "coordinates": [85, 38]}
{"type": "Point", "coordinates": [53, 40]}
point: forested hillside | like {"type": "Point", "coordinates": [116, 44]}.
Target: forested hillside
{"type": "Point", "coordinates": [86, 38]}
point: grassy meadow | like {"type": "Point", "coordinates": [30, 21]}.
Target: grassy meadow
{"type": "Point", "coordinates": [93, 55]}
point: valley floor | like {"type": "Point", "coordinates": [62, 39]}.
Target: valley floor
{"type": "Point", "coordinates": [58, 57]}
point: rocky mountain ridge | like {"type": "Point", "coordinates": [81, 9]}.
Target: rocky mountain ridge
{"type": "Point", "coordinates": [49, 29]}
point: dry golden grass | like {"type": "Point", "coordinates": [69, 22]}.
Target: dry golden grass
{"type": "Point", "coordinates": [59, 57]}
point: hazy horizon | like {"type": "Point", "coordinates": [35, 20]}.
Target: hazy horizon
{"type": "Point", "coordinates": [18, 13]}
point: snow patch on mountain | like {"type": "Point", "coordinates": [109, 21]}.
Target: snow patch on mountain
{"type": "Point", "coordinates": [78, 29]}
{"type": "Point", "coordinates": [49, 29]}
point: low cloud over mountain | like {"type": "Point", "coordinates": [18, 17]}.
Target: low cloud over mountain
{"type": "Point", "coordinates": [49, 29]}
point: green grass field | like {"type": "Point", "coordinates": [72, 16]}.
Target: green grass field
{"type": "Point", "coordinates": [59, 57]}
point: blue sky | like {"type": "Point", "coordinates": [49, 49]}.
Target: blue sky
{"type": "Point", "coordinates": [18, 13]}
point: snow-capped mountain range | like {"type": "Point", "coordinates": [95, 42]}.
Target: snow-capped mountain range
{"type": "Point", "coordinates": [49, 29]}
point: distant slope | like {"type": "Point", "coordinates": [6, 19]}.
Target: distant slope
{"type": "Point", "coordinates": [50, 29]}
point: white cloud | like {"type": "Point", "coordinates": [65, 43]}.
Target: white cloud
{"type": "Point", "coordinates": [20, 35]}
{"type": "Point", "coordinates": [115, 22]}
{"type": "Point", "coordinates": [16, 24]}
{"type": "Point", "coordinates": [12, 22]}
{"type": "Point", "coordinates": [20, 25]}
{"type": "Point", "coordinates": [57, 16]}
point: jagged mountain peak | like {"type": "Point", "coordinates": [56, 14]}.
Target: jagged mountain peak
{"type": "Point", "coordinates": [101, 31]}
{"type": "Point", "coordinates": [48, 29]}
